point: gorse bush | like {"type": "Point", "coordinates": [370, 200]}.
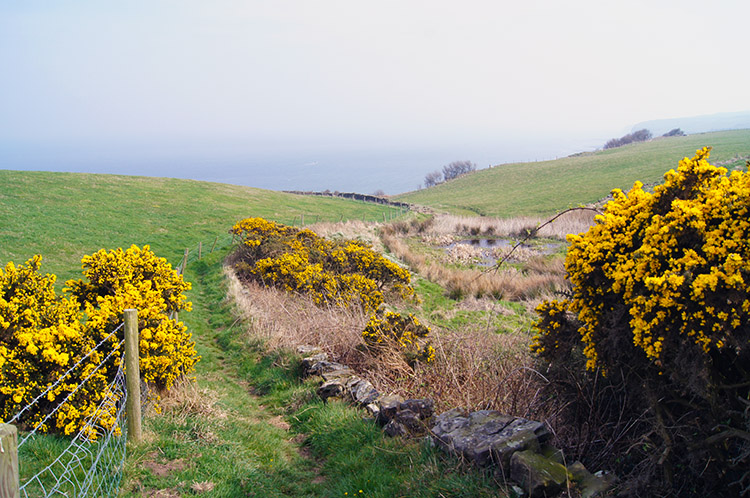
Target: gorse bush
{"type": "Point", "coordinates": [661, 300]}
{"type": "Point", "coordinates": [403, 332]}
{"type": "Point", "coordinates": [339, 273]}
{"type": "Point", "coordinates": [42, 335]}
{"type": "Point", "coordinates": [136, 278]}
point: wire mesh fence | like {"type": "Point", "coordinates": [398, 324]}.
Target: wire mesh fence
{"type": "Point", "coordinates": [89, 463]}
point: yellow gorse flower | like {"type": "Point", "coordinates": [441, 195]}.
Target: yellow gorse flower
{"type": "Point", "coordinates": [340, 273]}
{"type": "Point", "coordinates": [670, 266]}
{"type": "Point", "coordinates": [42, 335]}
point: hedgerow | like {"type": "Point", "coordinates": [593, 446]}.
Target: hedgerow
{"type": "Point", "coordinates": [338, 273]}
{"type": "Point", "coordinates": [660, 312]}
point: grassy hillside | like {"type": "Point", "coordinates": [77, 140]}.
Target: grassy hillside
{"type": "Point", "coordinates": [248, 426]}
{"type": "Point", "coordinates": [66, 215]}
{"type": "Point", "coordinates": [545, 187]}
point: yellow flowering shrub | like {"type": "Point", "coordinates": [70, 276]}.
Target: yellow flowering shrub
{"type": "Point", "coordinates": [661, 298]}
{"type": "Point", "coordinates": [41, 338]}
{"type": "Point", "coordinates": [403, 332]}
{"type": "Point", "coordinates": [674, 266]}
{"type": "Point", "coordinates": [136, 278]}
{"type": "Point", "coordinates": [338, 273]}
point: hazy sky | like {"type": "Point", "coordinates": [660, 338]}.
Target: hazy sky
{"type": "Point", "coordinates": [230, 76]}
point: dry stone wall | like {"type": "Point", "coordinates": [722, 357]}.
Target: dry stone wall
{"type": "Point", "coordinates": [515, 447]}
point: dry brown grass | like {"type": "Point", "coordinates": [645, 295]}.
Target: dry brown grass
{"type": "Point", "coordinates": [473, 368]}
{"type": "Point", "coordinates": [356, 230]}
{"type": "Point", "coordinates": [569, 223]}
{"type": "Point", "coordinates": [186, 398]}
{"type": "Point", "coordinates": [284, 320]}
{"type": "Point", "coordinates": [508, 283]}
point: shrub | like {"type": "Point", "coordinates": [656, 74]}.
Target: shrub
{"type": "Point", "coordinates": [137, 278]}
{"type": "Point", "coordinates": [340, 273]}
{"type": "Point", "coordinates": [661, 301]}
{"type": "Point", "coordinates": [636, 136]}
{"type": "Point", "coordinates": [41, 337]}
{"type": "Point", "coordinates": [433, 178]}
{"type": "Point", "coordinates": [675, 132]}
{"type": "Point", "coordinates": [404, 332]}
{"type": "Point", "coordinates": [457, 168]}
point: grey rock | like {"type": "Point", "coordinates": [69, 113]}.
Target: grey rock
{"type": "Point", "coordinates": [307, 363]}
{"type": "Point", "coordinates": [324, 366]}
{"type": "Point", "coordinates": [411, 421]}
{"type": "Point", "coordinates": [373, 409]}
{"type": "Point", "coordinates": [486, 436]}
{"type": "Point", "coordinates": [343, 373]}
{"type": "Point", "coordinates": [389, 406]}
{"type": "Point", "coordinates": [537, 475]}
{"type": "Point", "coordinates": [590, 485]}
{"type": "Point", "coordinates": [394, 428]}
{"type": "Point", "coordinates": [362, 392]}
{"type": "Point", "coordinates": [308, 350]}
{"type": "Point", "coordinates": [332, 389]}
{"type": "Point", "coordinates": [422, 407]}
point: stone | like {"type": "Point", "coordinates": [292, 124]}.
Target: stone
{"type": "Point", "coordinates": [394, 428]}
{"type": "Point", "coordinates": [590, 485]}
{"type": "Point", "coordinates": [422, 407]}
{"type": "Point", "coordinates": [324, 366]}
{"type": "Point", "coordinates": [307, 363]}
{"type": "Point", "coordinates": [362, 392]}
{"type": "Point", "coordinates": [341, 373]}
{"type": "Point", "coordinates": [332, 389]}
{"type": "Point", "coordinates": [487, 436]}
{"type": "Point", "coordinates": [389, 405]}
{"type": "Point", "coordinates": [537, 475]}
{"type": "Point", "coordinates": [556, 454]}
{"type": "Point", "coordinates": [308, 350]}
{"type": "Point", "coordinates": [373, 409]}
{"type": "Point", "coordinates": [411, 421]}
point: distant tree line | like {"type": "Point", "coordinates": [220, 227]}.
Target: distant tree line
{"type": "Point", "coordinates": [636, 136]}
{"type": "Point", "coordinates": [450, 171]}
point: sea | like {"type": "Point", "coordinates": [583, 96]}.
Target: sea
{"type": "Point", "coordinates": [390, 169]}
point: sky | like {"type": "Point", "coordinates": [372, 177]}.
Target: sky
{"type": "Point", "coordinates": [289, 94]}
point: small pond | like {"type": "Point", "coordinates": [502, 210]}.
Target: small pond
{"type": "Point", "coordinates": [486, 246]}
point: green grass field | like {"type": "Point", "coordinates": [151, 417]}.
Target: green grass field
{"type": "Point", "coordinates": [64, 216]}
{"type": "Point", "coordinates": [542, 188]}
{"type": "Point", "coordinates": [249, 426]}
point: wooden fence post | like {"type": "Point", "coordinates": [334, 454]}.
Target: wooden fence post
{"type": "Point", "coordinates": [214, 245]}
{"type": "Point", "coordinates": [133, 375]}
{"type": "Point", "coordinates": [9, 484]}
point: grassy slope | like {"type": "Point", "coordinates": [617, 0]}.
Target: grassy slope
{"type": "Point", "coordinates": [64, 216]}
{"type": "Point", "coordinates": [545, 187]}
{"type": "Point", "coordinates": [280, 441]}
